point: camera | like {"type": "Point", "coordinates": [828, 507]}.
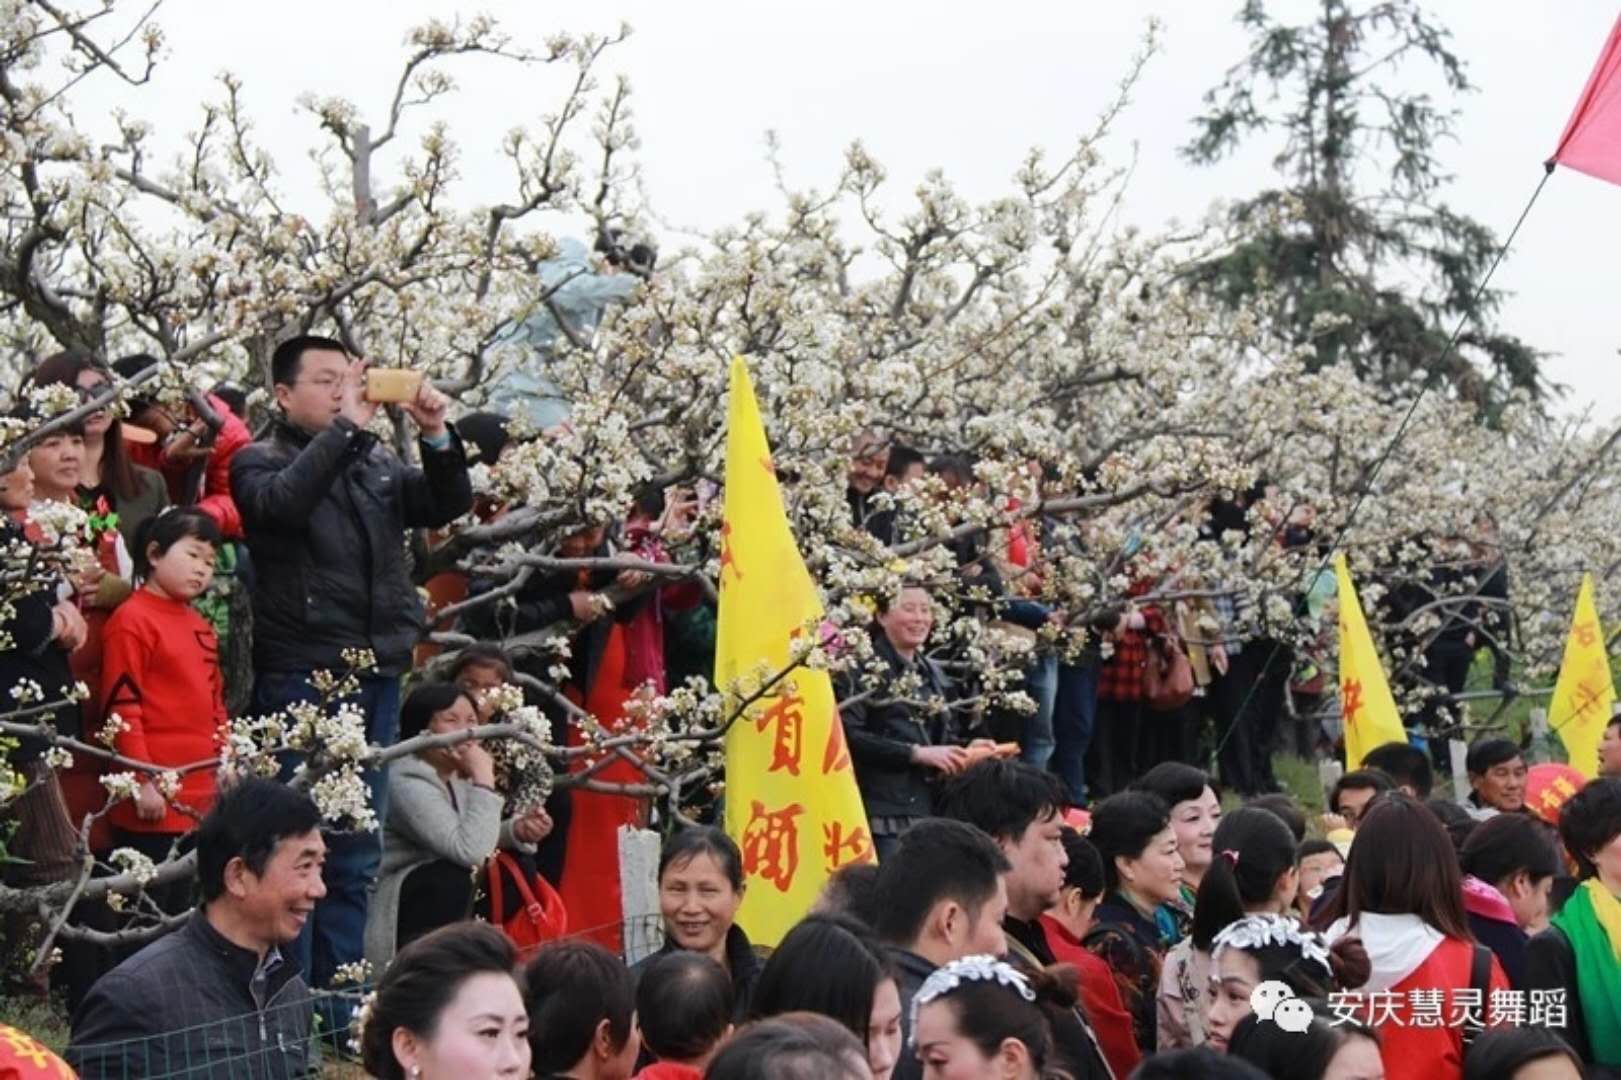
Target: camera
{"type": "Point", "coordinates": [636, 257]}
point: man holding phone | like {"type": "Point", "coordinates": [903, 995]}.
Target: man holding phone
{"type": "Point", "coordinates": [325, 506]}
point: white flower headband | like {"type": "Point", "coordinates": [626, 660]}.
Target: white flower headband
{"type": "Point", "coordinates": [970, 969]}
{"type": "Point", "coordinates": [1254, 932]}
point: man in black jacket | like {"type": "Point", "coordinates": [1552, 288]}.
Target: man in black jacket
{"type": "Point", "coordinates": [940, 897]}
{"type": "Point", "coordinates": [869, 455]}
{"type": "Point", "coordinates": [217, 998]}
{"type": "Point", "coordinates": [326, 509]}
{"type": "Point", "coordinates": [1019, 807]}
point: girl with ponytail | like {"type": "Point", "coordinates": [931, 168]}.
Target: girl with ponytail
{"type": "Point", "coordinates": [1252, 872]}
{"type": "Point", "coordinates": [1275, 948]}
{"type": "Point", "coordinates": [979, 1016]}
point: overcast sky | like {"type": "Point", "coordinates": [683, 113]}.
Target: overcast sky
{"type": "Point", "coordinates": [967, 87]}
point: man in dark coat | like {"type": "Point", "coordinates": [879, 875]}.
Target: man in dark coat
{"type": "Point", "coordinates": [940, 897]}
{"type": "Point", "coordinates": [326, 509]}
{"type": "Point", "coordinates": [217, 998]}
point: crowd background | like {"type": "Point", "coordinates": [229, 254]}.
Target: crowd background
{"type": "Point", "coordinates": [1454, 897]}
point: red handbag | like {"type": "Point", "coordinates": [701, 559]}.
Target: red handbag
{"type": "Point", "coordinates": [540, 918]}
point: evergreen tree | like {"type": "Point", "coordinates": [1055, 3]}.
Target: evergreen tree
{"type": "Point", "coordinates": [1358, 231]}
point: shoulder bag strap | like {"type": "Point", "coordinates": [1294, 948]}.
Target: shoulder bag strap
{"type": "Point", "coordinates": [1480, 981]}
{"type": "Point", "coordinates": [496, 898]}
{"type": "Point", "coordinates": [503, 860]}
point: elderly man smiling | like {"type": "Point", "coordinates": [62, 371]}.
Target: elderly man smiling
{"type": "Point", "coordinates": [217, 998]}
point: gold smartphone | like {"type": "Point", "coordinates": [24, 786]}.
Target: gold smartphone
{"type": "Point", "coordinates": [392, 386]}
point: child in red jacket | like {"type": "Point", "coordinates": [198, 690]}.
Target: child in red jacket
{"type": "Point", "coordinates": [160, 674]}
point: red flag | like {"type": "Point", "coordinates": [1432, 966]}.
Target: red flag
{"type": "Point", "coordinates": [1592, 139]}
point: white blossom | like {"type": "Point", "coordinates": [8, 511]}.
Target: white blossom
{"type": "Point", "coordinates": [138, 866]}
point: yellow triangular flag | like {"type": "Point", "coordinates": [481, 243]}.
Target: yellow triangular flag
{"type": "Point", "coordinates": [1584, 695]}
{"type": "Point", "coordinates": [1366, 705]}
{"type": "Point", "coordinates": [791, 798]}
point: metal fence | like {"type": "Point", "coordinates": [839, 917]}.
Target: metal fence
{"type": "Point", "coordinates": [281, 1042]}
{"type": "Point", "coordinates": [633, 939]}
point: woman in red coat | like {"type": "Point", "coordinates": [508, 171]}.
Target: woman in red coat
{"type": "Point", "coordinates": [1403, 896]}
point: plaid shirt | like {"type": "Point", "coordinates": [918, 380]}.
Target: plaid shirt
{"type": "Point", "coordinates": [1227, 612]}
{"type": "Point", "coordinates": [1122, 678]}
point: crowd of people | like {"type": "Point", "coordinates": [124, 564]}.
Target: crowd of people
{"type": "Point", "coordinates": [996, 940]}
{"type": "Point", "coordinates": [1069, 892]}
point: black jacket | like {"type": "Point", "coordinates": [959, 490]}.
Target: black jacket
{"type": "Point", "coordinates": [1077, 1046]}
{"type": "Point", "coordinates": [1550, 964]}
{"type": "Point", "coordinates": [883, 733]}
{"type": "Point", "coordinates": [1456, 584]}
{"type": "Point", "coordinates": [1030, 938]}
{"type": "Point", "coordinates": [544, 602]}
{"type": "Point", "coordinates": [911, 971]}
{"type": "Point", "coordinates": [860, 507]}
{"type": "Point", "coordinates": [1131, 944]}
{"type": "Point", "coordinates": [325, 518]}
{"type": "Point", "coordinates": [1494, 617]}
{"type": "Point", "coordinates": [1074, 1041]}
{"type": "Point", "coordinates": [1506, 941]}
{"type": "Point", "coordinates": [33, 654]}
{"type": "Point", "coordinates": [194, 1005]}
{"type": "Point", "coordinates": [741, 963]}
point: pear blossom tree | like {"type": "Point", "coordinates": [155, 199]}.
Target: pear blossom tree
{"type": "Point", "coordinates": [1103, 398]}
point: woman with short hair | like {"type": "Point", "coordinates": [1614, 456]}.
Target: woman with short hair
{"type": "Point", "coordinates": [1576, 956]}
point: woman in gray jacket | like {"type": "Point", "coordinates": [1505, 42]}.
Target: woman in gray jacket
{"type": "Point", "coordinates": [444, 822]}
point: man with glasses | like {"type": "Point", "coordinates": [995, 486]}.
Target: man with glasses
{"type": "Point", "coordinates": [326, 507]}
{"type": "Point", "coordinates": [1352, 793]}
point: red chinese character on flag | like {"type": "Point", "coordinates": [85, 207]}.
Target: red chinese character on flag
{"type": "Point", "coordinates": [1586, 634]}
{"type": "Point", "coordinates": [858, 843]}
{"type": "Point", "coordinates": [21, 1055]}
{"type": "Point", "coordinates": [836, 755]}
{"type": "Point", "coordinates": [1588, 696]}
{"type": "Point", "coordinates": [771, 844]}
{"type": "Point", "coordinates": [727, 560]}
{"type": "Point", "coordinates": [786, 742]}
{"type": "Point", "coordinates": [1352, 692]}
